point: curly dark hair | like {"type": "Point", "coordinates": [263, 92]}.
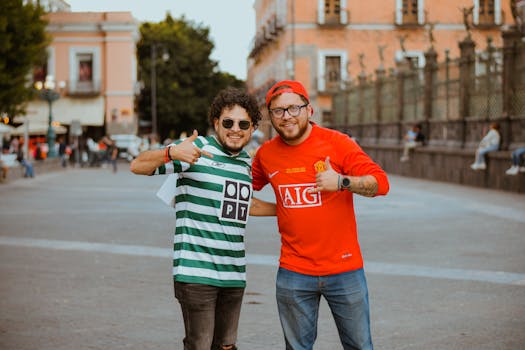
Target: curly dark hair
{"type": "Point", "coordinates": [231, 97]}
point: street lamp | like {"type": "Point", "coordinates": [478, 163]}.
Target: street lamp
{"type": "Point", "coordinates": [165, 58]}
{"type": "Point", "coordinates": [291, 61]}
{"type": "Point", "coordinates": [47, 92]}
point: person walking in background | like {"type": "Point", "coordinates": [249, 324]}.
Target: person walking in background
{"type": "Point", "coordinates": [104, 145]}
{"type": "Point", "coordinates": [314, 173]}
{"type": "Point", "coordinates": [22, 159]}
{"type": "Point", "coordinates": [14, 145]}
{"type": "Point", "coordinates": [4, 169]}
{"type": "Point", "coordinates": [112, 153]}
{"type": "Point", "coordinates": [154, 142]}
{"type": "Point", "coordinates": [213, 195]}
{"type": "Point", "coordinates": [413, 138]}
{"type": "Point", "coordinates": [94, 155]}
{"type": "Point", "coordinates": [518, 165]}
{"type": "Point", "coordinates": [490, 142]}
{"type": "Point", "coordinates": [62, 146]}
{"type": "Point", "coordinates": [39, 152]}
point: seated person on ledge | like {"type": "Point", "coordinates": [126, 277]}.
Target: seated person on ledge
{"type": "Point", "coordinates": [413, 138]}
{"type": "Point", "coordinates": [518, 163]}
{"type": "Point", "coordinates": [490, 142]}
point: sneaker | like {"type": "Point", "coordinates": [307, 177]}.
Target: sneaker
{"type": "Point", "coordinates": [513, 170]}
{"type": "Point", "coordinates": [480, 166]}
{"type": "Point", "coordinates": [404, 159]}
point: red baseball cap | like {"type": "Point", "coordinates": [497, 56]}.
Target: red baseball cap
{"type": "Point", "coordinates": [291, 86]}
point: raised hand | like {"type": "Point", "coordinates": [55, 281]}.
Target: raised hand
{"type": "Point", "coordinates": [327, 180]}
{"type": "Point", "coordinates": [187, 152]}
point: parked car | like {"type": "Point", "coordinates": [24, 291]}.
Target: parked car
{"type": "Point", "coordinates": [129, 145]}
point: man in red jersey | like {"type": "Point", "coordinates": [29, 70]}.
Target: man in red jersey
{"type": "Point", "coordinates": [314, 173]}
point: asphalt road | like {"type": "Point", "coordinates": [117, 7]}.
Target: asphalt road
{"type": "Point", "coordinates": [85, 264]}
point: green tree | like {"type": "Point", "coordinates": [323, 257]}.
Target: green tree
{"type": "Point", "coordinates": [23, 42]}
{"type": "Point", "coordinates": [187, 79]}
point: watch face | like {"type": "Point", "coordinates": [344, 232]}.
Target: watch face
{"type": "Point", "coordinates": [346, 182]}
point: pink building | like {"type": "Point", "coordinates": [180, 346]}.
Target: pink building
{"type": "Point", "coordinates": [327, 43]}
{"type": "Point", "coordinates": [93, 61]}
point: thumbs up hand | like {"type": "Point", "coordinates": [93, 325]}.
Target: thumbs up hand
{"type": "Point", "coordinates": [187, 152]}
{"type": "Point", "coordinates": [326, 180]}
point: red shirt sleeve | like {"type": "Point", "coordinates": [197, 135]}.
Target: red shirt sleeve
{"type": "Point", "coordinates": [258, 174]}
{"type": "Point", "coordinates": [357, 163]}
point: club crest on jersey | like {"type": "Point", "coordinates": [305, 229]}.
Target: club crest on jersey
{"type": "Point", "coordinates": [236, 201]}
{"type": "Point", "coordinates": [320, 166]}
{"type": "Point", "coordinates": [299, 196]}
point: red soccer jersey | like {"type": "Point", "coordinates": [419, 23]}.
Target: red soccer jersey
{"type": "Point", "coordinates": [318, 230]}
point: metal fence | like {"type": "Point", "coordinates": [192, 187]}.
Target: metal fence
{"type": "Point", "coordinates": [454, 99]}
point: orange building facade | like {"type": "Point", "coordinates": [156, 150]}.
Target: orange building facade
{"type": "Point", "coordinates": [327, 43]}
{"type": "Point", "coordinates": [93, 62]}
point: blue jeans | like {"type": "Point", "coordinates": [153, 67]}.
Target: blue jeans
{"type": "Point", "coordinates": [480, 153]}
{"type": "Point", "coordinates": [28, 168]}
{"type": "Point", "coordinates": [517, 156]}
{"type": "Point", "coordinates": [298, 298]}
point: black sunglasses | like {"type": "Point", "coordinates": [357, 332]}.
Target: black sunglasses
{"type": "Point", "coordinates": [243, 124]}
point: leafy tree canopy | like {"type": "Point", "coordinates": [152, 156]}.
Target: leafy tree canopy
{"type": "Point", "coordinates": [23, 42]}
{"type": "Point", "coordinates": [187, 79]}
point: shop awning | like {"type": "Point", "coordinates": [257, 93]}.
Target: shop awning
{"type": "Point", "coordinates": [89, 111]}
{"type": "Point", "coordinates": [36, 128]}
{"type": "Point", "coordinates": [6, 129]}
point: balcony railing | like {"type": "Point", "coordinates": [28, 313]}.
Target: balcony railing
{"type": "Point", "coordinates": [84, 88]}
{"type": "Point", "coordinates": [340, 19]}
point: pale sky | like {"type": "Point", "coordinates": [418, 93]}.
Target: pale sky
{"type": "Point", "coordinates": [231, 23]}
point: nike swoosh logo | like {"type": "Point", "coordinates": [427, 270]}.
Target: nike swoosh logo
{"type": "Point", "coordinates": [273, 174]}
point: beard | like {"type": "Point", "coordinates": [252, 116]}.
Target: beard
{"type": "Point", "coordinates": [290, 136]}
{"type": "Point", "coordinates": [230, 147]}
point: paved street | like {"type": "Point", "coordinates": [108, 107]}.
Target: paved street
{"type": "Point", "coordinates": [85, 264]}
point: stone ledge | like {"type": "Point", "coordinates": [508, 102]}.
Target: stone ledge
{"type": "Point", "coordinates": [449, 165]}
{"type": "Point", "coordinates": [443, 150]}
{"type": "Point", "coordinates": [39, 167]}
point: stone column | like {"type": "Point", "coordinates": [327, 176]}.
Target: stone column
{"type": "Point", "coordinates": [361, 94]}
{"type": "Point", "coordinates": [511, 40]}
{"type": "Point", "coordinates": [380, 77]}
{"type": "Point", "coordinates": [511, 43]}
{"type": "Point", "coordinates": [430, 79]}
{"type": "Point", "coordinates": [403, 68]}
{"type": "Point", "coordinates": [466, 75]}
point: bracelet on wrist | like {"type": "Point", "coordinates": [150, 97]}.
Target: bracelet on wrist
{"type": "Point", "coordinates": [167, 157]}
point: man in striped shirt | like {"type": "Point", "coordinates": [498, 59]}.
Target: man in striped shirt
{"type": "Point", "coordinates": [212, 191]}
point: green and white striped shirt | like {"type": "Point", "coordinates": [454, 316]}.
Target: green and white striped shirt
{"type": "Point", "coordinates": [212, 200]}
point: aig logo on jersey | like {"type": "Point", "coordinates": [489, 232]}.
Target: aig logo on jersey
{"type": "Point", "coordinates": [236, 200]}
{"type": "Point", "coordinates": [298, 196]}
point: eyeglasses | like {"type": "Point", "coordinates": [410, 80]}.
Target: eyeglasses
{"type": "Point", "coordinates": [243, 124]}
{"type": "Point", "coordinates": [293, 110]}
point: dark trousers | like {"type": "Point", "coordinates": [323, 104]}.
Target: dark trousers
{"type": "Point", "coordinates": [211, 315]}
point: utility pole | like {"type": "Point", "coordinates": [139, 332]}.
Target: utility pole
{"type": "Point", "coordinates": [291, 65]}
{"type": "Point", "coordinates": [154, 89]}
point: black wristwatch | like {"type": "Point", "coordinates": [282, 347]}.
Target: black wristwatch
{"type": "Point", "coordinates": [345, 184]}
